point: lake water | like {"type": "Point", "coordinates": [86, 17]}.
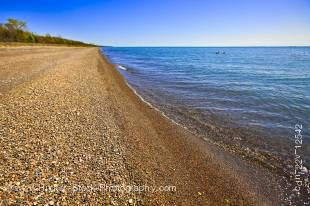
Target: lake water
{"type": "Point", "coordinates": [263, 87]}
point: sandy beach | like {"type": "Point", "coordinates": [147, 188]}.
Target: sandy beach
{"type": "Point", "coordinates": [72, 132]}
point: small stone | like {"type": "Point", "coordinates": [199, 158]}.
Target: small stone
{"type": "Point", "coordinates": [130, 201]}
{"type": "Point", "coordinates": [51, 202]}
{"type": "Point", "coordinates": [199, 193]}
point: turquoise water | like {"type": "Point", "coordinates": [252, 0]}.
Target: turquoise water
{"type": "Point", "coordinates": [260, 87]}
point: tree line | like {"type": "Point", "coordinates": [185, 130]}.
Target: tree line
{"type": "Point", "coordinates": [16, 31]}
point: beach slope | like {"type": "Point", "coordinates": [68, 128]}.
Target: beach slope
{"type": "Point", "coordinates": [72, 132]}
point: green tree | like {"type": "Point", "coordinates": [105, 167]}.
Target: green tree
{"type": "Point", "coordinates": [15, 24]}
{"type": "Point", "coordinates": [15, 31]}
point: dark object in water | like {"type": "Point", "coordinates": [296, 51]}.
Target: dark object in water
{"type": "Point", "coordinates": [220, 52]}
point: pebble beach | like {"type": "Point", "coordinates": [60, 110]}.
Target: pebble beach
{"type": "Point", "coordinates": [73, 133]}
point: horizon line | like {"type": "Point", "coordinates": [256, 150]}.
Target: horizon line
{"type": "Point", "coordinates": [208, 46]}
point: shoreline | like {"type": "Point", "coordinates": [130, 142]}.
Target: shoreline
{"type": "Point", "coordinates": [247, 142]}
{"type": "Point", "coordinates": [207, 144]}
{"type": "Point", "coordinates": [84, 124]}
{"type": "Point", "coordinates": [222, 145]}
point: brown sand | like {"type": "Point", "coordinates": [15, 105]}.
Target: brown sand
{"type": "Point", "coordinates": [70, 123]}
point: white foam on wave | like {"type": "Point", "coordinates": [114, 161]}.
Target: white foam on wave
{"type": "Point", "coordinates": [122, 67]}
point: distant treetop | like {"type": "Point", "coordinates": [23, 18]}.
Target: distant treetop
{"type": "Point", "coordinates": [15, 24]}
{"type": "Point", "coordinates": [16, 31]}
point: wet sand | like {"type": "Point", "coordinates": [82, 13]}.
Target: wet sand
{"type": "Point", "coordinates": [69, 121]}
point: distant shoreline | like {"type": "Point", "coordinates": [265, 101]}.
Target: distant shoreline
{"type": "Point", "coordinates": [19, 44]}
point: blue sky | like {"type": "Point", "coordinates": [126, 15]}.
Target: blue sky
{"type": "Point", "coordinates": [168, 22]}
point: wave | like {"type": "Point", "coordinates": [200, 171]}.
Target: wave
{"type": "Point", "coordinates": [122, 67]}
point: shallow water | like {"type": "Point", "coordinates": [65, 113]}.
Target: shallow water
{"type": "Point", "coordinates": [246, 100]}
{"type": "Point", "coordinates": [264, 87]}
